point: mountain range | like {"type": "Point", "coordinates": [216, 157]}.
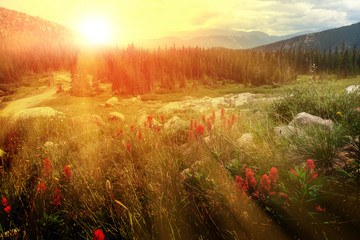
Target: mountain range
{"type": "Point", "coordinates": [14, 23]}
{"type": "Point", "coordinates": [333, 38]}
{"type": "Point", "coordinates": [208, 38]}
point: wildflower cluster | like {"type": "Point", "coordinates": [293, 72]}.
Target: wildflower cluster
{"type": "Point", "coordinates": [7, 208]}
{"type": "Point", "coordinates": [249, 187]}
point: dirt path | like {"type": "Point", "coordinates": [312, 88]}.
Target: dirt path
{"type": "Point", "coordinates": [28, 102]}
{"type": "Point", "coordinates": [15, 106]}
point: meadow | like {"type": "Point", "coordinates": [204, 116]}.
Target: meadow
{"type": "Point", "coordinates": [131, 179]}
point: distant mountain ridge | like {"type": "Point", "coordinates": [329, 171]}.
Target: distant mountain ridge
{"type": "Point", "coordinates": [321, 40]}
{"type": "Point", "coordinates": [208, 38]}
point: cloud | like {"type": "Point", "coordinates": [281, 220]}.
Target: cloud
{"type": "Point", "coordinates": [156, 18]}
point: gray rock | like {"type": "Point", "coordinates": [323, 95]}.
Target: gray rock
{"type": "Point", "coordinates": [36, 112]}
{"type": "Point", "coordinates": [175, 123]}
{"type": "Point", "coordinates": [352, 88]}
{"type": "Point", "coordinates": [284, 131]}
{"type": "Point", "coordinates": [116, 116]}
{"type": "Point", "coordinates": [111, 102]}
{"type": "Point", "coordinates": [245, 141]}
{"type": "Point", "coordinates": [305, 119]}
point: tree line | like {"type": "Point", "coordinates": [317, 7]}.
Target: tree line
{"type": "Point", "coordinates": [134, 70]}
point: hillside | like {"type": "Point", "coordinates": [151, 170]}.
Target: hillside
{"type": "Point", "coordinates": [321, 40]}
{"type": "Point", "coordinates": [15, 24]}
{"type": "Point", "coordinates": [32, 44]}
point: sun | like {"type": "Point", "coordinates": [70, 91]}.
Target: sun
{"type": "Point", "coordinates": [96, 31]}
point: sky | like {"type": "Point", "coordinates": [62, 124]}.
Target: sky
{"type": "Point", "coordinates": [142, 19]}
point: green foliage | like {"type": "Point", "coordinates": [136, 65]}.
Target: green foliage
{"type": "Point", "coordinates": [315, 99]}
{"type": "Point", "coordinates": [323, 146]}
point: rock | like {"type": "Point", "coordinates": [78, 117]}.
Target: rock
{"type": "Point", "coordinates": [35, 112]}
{"type": "Point", "coordinates": [175, 124]}
{"type": "Point", "coordinates": [305, 119]}
{"type": "Point", "coordinates": [246, 140]}
{"type": "Point", "coordinates": [50, 144]}
{"type": "Point", "coordinates": [143, 121]}
{"type": "Point", "coordinates": [241, 99]}
{"type": "Point", "coordinates": [284, 131]}
{"type": "Point", "coordinates": [207, 139]}
{"type": "Point", "coordinates": [116, 116]}
{"type": "Point", "coordinates": [352, 88]}
{"type": "Point", "coordinates": [134, 99]}
{"type": "Point", "coordinates": [88, 119]}
{"type": "Point", "coordinates": [2, 153]}
{"type": "Point", "coordinates": [111, 102]}
{"type": "Point", "coordinates": [138, 97]}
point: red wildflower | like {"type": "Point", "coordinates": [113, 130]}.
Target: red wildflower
{"type": "Point", "coordinates": [158, 129]}
{"type": "Point", "coordinates": [67, 172]}
{"type": "Point", "coordinates": [4, 202]}
{"type": "Point", "coordinates": [265, 183]}
{"type": "Point", "coordinates": [128, 147]}
{"type": "Point", "coordinates": [47, 167]}
{"type": "Point", "coordinates": [293, 171]}
{"type": "Point", "coordinates": [256, 194]}
{"type": "Point", "coordinates": [208, 124]}
{"type": "Point", "coordinates": [162, 119]}
{"type": "Point", "coordinates": [119, 132]}
{"type": "Point", "coordinates": [199, 129]}
{"type": "Point", "coordinates": [203, 118]}
{"type": "Point", "coordinates": [320, 209]}
{"type": "Point", "coordinates": [310, 165]}
{"type": "Point", "coordinates": [57, 198]}
{"type": "Point", "coordinates": [222, 113]}
{"type": "Point", "coordinates": [213, 116]}
{"type": "Point", "coordinates": [191, 124]}
{"type": "Point", "coordinates": [7, 209]}
{"type": "Point", "coordinates": [191, 136]}
{"type": "Point", "coordinates": [131, 127]}
{"type": "Point", "coordinates": [239, 180]}
{"type": "Point", "coordinates": [250, 180]}
{"type": "Point", "coordinates": [273, 174]}
{"type": "Point", "coordinates": [233, 118]}
{"type": "Point", "coordinates": [41, 187]}
{"type": "Point", "coordinates": [139, 135]}
{"type": "Point", "coordinates": [150, 120]}
{"type": "Point", "coordinates": [98, 235]}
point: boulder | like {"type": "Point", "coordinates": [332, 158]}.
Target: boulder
{"type": "Point", "coordinates": [246, 140]}
{"type": "Point", "coordinates": [284, 131]}
{"type": "Point", "coordinates": [175, 124]}
{"type": "Point", "coordinates": [88, 119]}
{"type": "Point", "coordinates": [36, 112]}
{"type": "Point", "coordinates": [305, 119]}
{"type": "Point", "coordinates": [116, 116]}
{"type": "Point", "coordinates": [352, 88]}
{"type": "Point", "coordinates": [143, 121]}
{"type": "Point", "coordinates": [111, 102]}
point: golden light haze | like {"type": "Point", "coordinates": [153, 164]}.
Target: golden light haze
{"type": "Point", "coordinates": [142, 19]}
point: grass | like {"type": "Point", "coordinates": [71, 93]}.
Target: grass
{"type": "Point", "coordinates": [181, 184]}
